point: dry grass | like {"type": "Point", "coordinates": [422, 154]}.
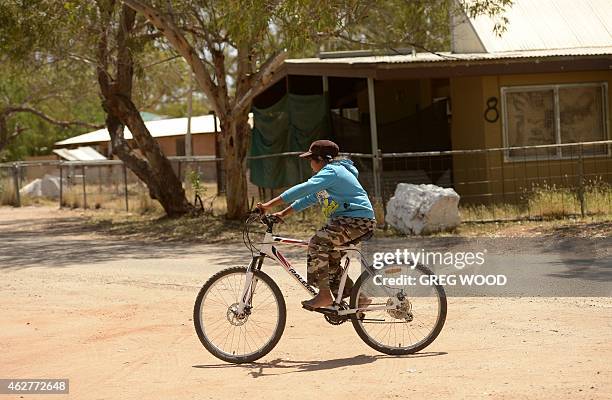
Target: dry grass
{"type": "Point", "coordinates": [8, 198]}
{"type": "Point", "coordinates": [557, 209]}
{"type": "Point", "coordinates": [548, 202]}
{"type": "Point", "coordinates": [7, 192]}
{"type": "Point", "coordinates": [216, 229]}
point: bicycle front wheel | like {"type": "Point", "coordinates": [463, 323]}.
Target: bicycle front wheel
{"type": "Point", "coordinates": [416, 318]}
{"type": "Point", "coordinates": [230, 336]}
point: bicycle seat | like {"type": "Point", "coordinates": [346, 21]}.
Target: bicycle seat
{"type": "Point", "coordinates": [366, 236]}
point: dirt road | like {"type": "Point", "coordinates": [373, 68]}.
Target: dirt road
{"type": "Point", "coordinates": [114, 317]}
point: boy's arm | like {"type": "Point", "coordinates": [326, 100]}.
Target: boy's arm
{"type": "Point", "coordinates": [303, 195]}
{"type": "Point", "coordinates": [304, 202]}
{"type": "Point", "coordinates": [296, 206]}
{"type": "Point", "coordinates": [270, 204]}
{"type": "Point", "coordinates": [322, 180]}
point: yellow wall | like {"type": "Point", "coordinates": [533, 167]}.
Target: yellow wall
{"type": "Point", "coordinates": [467, 132]}
{"type": "Point", "coordinates": [471, 131]}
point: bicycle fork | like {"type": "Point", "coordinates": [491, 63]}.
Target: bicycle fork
{"type": "Point", "coordinates": [249, 286]}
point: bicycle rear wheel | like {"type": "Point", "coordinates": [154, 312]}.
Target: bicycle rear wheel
{"type": "Point", "coordinates": [413, 324]}
{"type": "Point", "coordinates": [239, 338]}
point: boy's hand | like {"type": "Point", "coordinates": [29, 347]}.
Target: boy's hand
{"type": "Point", "coordinates": [262, 207]}
{"type": "Point", "coordinates": [280, 216]}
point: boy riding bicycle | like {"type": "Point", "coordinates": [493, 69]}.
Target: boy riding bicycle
{"type": "Point", "coordinates": [346, 205]}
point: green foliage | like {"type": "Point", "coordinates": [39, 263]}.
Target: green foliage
{"type": "Point", "coordinates": [49, 49]}
{"type": "Point", "coordinates": [47, 58]}
{"type": "Point", "coordinates": [196, 184]}
{"type": "Point", "coordinates": [258, 29]}
{"type": "Point", "coordinates": [57, 89]}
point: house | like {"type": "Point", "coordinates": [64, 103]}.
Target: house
{"type": "Point", "coordinates": [170, 134]}
{"type": "Point", "coordinates": [545, 81]}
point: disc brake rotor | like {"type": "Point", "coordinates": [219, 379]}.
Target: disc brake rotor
{"type": "Point", "coordinates": [234, 318]}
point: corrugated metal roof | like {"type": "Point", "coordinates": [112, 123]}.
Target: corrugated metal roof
{"type": "Point", "coordinates": [160, 128]}
{"type": "Point", "coordinates": [549, 25]}
{"type": "Point", "coordinates": [449, 57]}
{"type": "Point", "coordinates": [536, 28]}
{"type": "Point", "coordinates": [81, 154]}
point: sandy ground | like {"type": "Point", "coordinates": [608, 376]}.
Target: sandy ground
{"type": "Point", "coordinates": [115, 318]}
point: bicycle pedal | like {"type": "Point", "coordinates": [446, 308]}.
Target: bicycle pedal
{"type": "Point", "coordinates": [322, 310]}
{"type": "Point", "coordinates": [326, 310]}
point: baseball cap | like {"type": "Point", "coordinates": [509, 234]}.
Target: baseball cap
{"type": "Point", "coordinates": [322, 148]}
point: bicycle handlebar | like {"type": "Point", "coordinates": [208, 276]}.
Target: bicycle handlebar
{"type": "Point", "coordinates": [267, 219]}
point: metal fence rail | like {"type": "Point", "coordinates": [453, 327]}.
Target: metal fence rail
{"type": "Point", "coordinates": [494, 184]}
{"type": "Point", "coordinates": [513, 182]}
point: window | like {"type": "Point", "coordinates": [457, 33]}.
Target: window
{"type": "Point", "coordinates": [540, 115]}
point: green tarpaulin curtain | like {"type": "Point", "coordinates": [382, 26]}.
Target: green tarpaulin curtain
{"type": "Point", "coordinates": [289, 125]}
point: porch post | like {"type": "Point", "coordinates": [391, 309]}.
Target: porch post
{"type": "Point", "coordinates": [374, 139]}
{"type": "Point", "coordinates": [188, 151]}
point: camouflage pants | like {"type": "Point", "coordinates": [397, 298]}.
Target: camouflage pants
{"type": "Point", "coordinates": [323, 261]}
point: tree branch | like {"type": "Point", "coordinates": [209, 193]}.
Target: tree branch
{"type": "Point", "coordinates": [181, 45]}
{"type": "Point", "coordinates": [259, 81]}
{"type": "Point", "coordinates": [42, 115]}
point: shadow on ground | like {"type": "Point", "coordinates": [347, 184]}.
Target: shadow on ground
{"type": "Point", "coordinates": [59, 242]}
{"type": "Point", "coordinates": [279, 366]}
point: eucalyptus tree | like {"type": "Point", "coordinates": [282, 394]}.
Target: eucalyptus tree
{"type": "Point", "coordinates": [117, 45]}
{"type": "Point", "coordinates": [234, 48]}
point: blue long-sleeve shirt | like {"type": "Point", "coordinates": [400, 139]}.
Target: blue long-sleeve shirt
{"type": "Point", "coordinates": [336, 188]}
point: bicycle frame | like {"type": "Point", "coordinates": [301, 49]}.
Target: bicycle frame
{"type": "Point", "coordinates": [269, 250]}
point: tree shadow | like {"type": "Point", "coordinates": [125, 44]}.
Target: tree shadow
{"type": "Point", "coordinates": [259, 369]}
{"type": "Point", "coordinates": [60, 242]}
{"type": "Point", "coordinates": [588, 269]}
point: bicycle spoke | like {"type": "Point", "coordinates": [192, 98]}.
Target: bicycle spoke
{"type": "Point", "coordinates": [417, 315]}
{"type": "Point", "coordinates": [230, 333]}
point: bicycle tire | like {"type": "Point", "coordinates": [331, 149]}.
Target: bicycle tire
{"type": "Point", "coordinates": [268, 346]}
{"type": "Point", "coordinates": [359, 328]}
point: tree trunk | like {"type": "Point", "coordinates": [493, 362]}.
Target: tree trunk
{"type": "Point", "coordinates": [235, 143]}
{"type": "Point", "coordinates": [156, 172]}
{"type": "Point", "coordinates": [151, 165]}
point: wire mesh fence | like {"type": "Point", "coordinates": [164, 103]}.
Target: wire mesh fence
{"type": "Point", "coordinates": [529, 182]}
{"type": "Point", "coordinates": [532, 182]}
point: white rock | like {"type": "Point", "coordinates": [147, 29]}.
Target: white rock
{"type": "Point", "coordinates": [32, 189]}
{"type": "Point", "coordinates": [422, 209]}
{"type": "Point", "coordinates": [48, 186]}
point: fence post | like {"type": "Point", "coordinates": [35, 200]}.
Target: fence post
{"type": "Point", "coordinates": [374, 136]}
{"type": "Point", "coordinates": [379, 178]}
{"type": "Point", "coordinates": [16, 181]}
{"type": "Point", "coordinates": [84, 188]}
{"type": "Point", "coordinates": [581, 182]}
{"type": "Point", "coordinates": [125, 187]}
{"type": "Point", "coordinates": [61, 182]}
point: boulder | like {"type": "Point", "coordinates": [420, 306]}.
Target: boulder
{"type": "Point", "coordinates": [423, 209]}
{"type": "Point", "coordinates": [48, 186]}
{"type": "Point", "coordinates": [32, 189]}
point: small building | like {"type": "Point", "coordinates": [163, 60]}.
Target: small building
{"type": "Point", "coordinates": [545, 81]}
{"type": "Point", "coordinates": [170, 134]}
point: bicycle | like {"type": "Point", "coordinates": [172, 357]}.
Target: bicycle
{"type": "Point", "coordinates": [240, 312]}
